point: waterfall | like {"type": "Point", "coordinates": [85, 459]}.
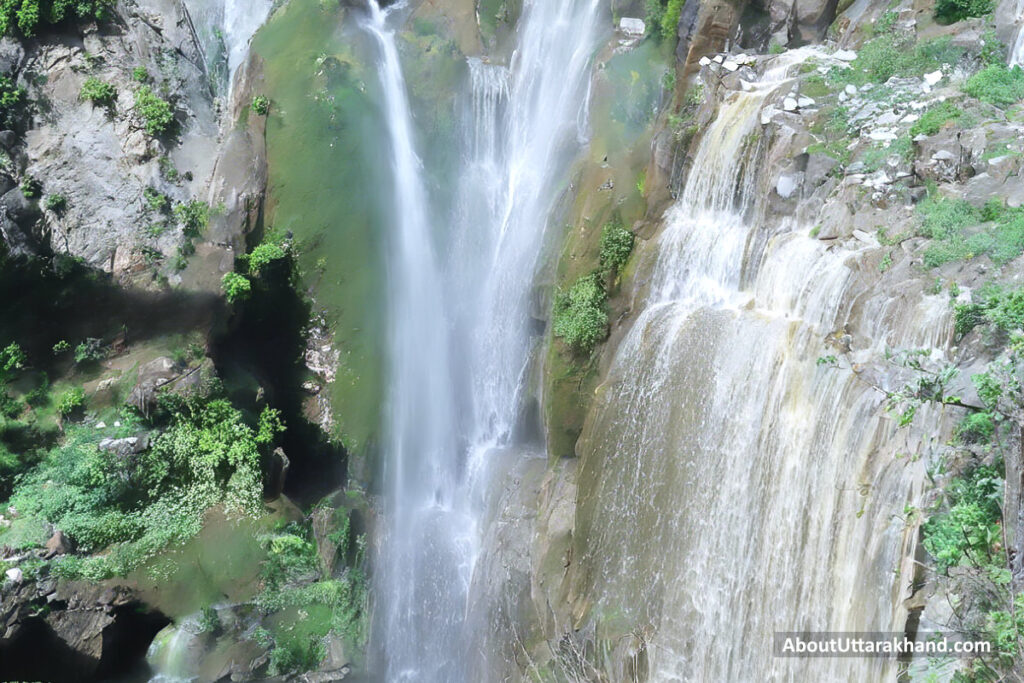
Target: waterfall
{"type": "Point", "coordinates": [224, 28]}
{"type": "Point", "coordinates": [1016, 57]}
{"type": "Point", "coordinates": [460, 333]}
{"type": "Point", "coordinates": [730, 485]}
{"type": "Point", "coordinates": [423, 567]}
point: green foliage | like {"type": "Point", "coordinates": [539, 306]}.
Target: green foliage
{"type": "Point", "coordinates": [90, 351]}
{"type": "Point", "coordinates": [56, 203]}
{"type": "Point", "coordinates": [140, 75]}
{"type": "Point", "coordinates": [949, 11]}
{"type": "Point", "coordinates": [1005, 629]}
{"type": "Point", "coordinates": [155, 200]}
{"type": "Point", "coordinates": [24, 16]}
{"type": "Point", "coordinates": [194, 216]}
{"type": "Point", "coordinates": [670, 20]}
{"type": "Point", "coordinates": [61, 347]}
{"type": "Point", "coordinates": [950, 223]}
{"type": "Point", "coordinates": [261, 105]}
{"type": "Point", "coordinates": [997, 84]}
{"type": "Point", "coordinates": [616, 246]}
{"type": "Point", "coordinates": [1003, 310]}
{"type": "Point", "coordinates": [70, 401]}
{"type": "Point", "coordinates": [890, 55]}
{"type": "Point", "coordinates": [936, 117]}
{"type": "Point", "coordinates": [12, 358]}
{"type": "Point", "coordinates": [11, 98]}
{"type": "Point", "coordinates": [580, 319]}
{"type": "Point", "coordinates": [31, 188]}
{"type": "Point", "coordinates": [970, 528]}
{"type": "Point", "coordinates": [976, 428]}
{"type": "Point", "coordinates": [98, 92]}
{"type": "Point", "coordinates": [209, 620]}
{"type": "Point", "coordinates": [136, 506]}
{"type": "Point", "coordinates": [155, 112]}
{"type": "Point", "coordinates": [263, 255]}
{"type": "Point", "coordinates": [236, 287]}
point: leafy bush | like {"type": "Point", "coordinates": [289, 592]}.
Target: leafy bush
{"type": "Point", "coordinates": [12, 358]}
{"type": "Point", "coordinates": [56, 203]}
{"type": "Point", "coordinates": [98, 92]}
{"type": "Point", "coordinates": [889, 55]}
{"type": "Point", "coordinates": [935, 118]}
{"type": "Point", "coordinates": [261, 105]}
{"type": "Point", "coordinates": [140, 75]}
{"type": "Point", "coordinates": [263, 255]}
{"type": "Point", "coordinates": [236, 287]}
{"type": "Point", "coordinates": [194, 216]}
{"type": "Point", "coordinates": [997, 84]}
{"type": "Point", "coordinates": [976, 428]}
{"type": "Point", "coordinates": [950, 11]}
{"type": "Point", "coordinates": [155, 200]}
{"type": "Point", "coordinates": [136, 506]}
{"type": "Point", "coordinates": [90, 351]}
{"type": "Point", "coordinates": [616, 246]}
{"type": "Point", "coordinates": [31, 188]}
{"type": "Point", "coordinates": [670, 20]}
{"type": "Point", "coordinates": [971, 526]}
{"type": "Point", "coordinates": [11, 97]}
{"type": "Point", "coordinates": [155, 112]}
{"type": "Point", "coordinates": [1003, 310]}
{"type": "Point", "coordinates": [70, 401]}
{"type": "Point", "coordinates": [24, 16]}
{"type": "Point", "coordinates": [947, 222]}
{"type": "Point", "coordinates": [579, 314]}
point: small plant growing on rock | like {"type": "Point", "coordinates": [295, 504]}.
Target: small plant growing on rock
{"type": "Point", "coordinates": [155, 112]}
{"type": "Point", "coordinates": [236, 287]}
{"type": "Point", "coordinates": [140, 75]}
{"type": "Point", "coordinates": [61, 347]}
{"type": "Point", "coordinates": [98, 92]}
{"type": "Point", "coordinates": [31, 188]}
{"type": "Point", "coordinates": [155, 200]}
{"type": "Point", "coordinates": [997, 84]}
{"type": "Point", "coordinates": [950, 11]}
{"type": "Point", "coordinates": [263, 255]}
{"type": "Point", "coordinates": [193, 216]}
{"type": "Point", "coordinates": [89, 351]}
{"type": "Point", "coordinates": [56, 203]}
{"type": "Point", "coordinates": [261, 105]}
{"type": "Point", "coordinates": [70, 401]}
{"type": "Point", "coordinates": [616, 245]}
{"type": "Point", "coordinates": [579, 315]}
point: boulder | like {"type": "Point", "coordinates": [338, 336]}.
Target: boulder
{"type": "Point", "coordinates": [59, 544]}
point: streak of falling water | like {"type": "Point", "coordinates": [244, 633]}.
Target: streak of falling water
{"type": "Point", "coordinates": [224, 28]}
{"type": "Point", "coordinates": [471, 302]}
{"type": "Point", "coordinates": [731, 486]}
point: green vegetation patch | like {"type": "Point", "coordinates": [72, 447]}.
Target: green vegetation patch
{"type": "Point", "coordinates": [970, 527]}
{"type": "Point", "coordinates": [997, 84]}
{"type": "Point", "coordinates": [959, 231]}
{"type": "Point", "coordinates": [155, 112]}
{"type": "Point", "coordinates": [580, 317]}
{"type": "Point", "coordinates": [950, 11]}
{"type": "Point", "coordinates": [25, 16]}
{"type": "Point", "coordinates": [890, 55]}
{"type": "Point", "coordinates": [615, 247]}
{"type": "Point", "coordinates": [98, 92]}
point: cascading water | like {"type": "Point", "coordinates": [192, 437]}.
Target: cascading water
{"type": "Point", "coordinates": [716, 502]}
{"type": "Point", "coordinates": [224, 28]}
{"type": "Point", "coordinates": [523, 130]}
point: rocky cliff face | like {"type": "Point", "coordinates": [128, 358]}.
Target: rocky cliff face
{"type": "Point", "coordinates": [101, 161]}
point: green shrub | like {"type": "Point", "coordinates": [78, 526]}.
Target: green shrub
{"type": "Point", "coordinates": [70, 401]}
{"type": "Point", "coordinates": [12, 358]}
{"type": "Point", "coordinates": [194, 216]}
{"type": "Point", "coordinates": [616, 246]}
{"type": "Point", "coordinates": [997, 84]}
{"type": "Point", "coordinates": [140, 75]}
{"type": "Point", "coordinates": [24, 16]}
{"type": "Point", "coordinates": [261, 105]}
{"type": "Point", "coordinates": [263, 255]}
{"type": "Point", "coordinates": [971, 526]}
{"type": "Point", "coordinates": [155, 112]}
{"type": "Point", "coordinates": [31, 188]}
{"type": "Point", "coordinates": [90, 351]}
{"type": "Point", "coordinates": [56, 202]}
{"type": "Point", "coordinates": [976, 428]}
{"type": "Point", "coordinates": [889, 55]}
{"type": "Point", "coordinates": [155, 200]}
{"type": "Point", "coordinates": [950, 11]}
{"type": "Point", "coordinates": [936, 117]}
{"type": "Point", "coordinates": [670, 19]}
{"type": "Point", "coordinates": [580, 319]}
{"type": "Point", "coordinates": [98, 92]}
{"type": "Point", "coordinates": [11, 98]}
{"type": "Point", "coordinates": [236, 287]}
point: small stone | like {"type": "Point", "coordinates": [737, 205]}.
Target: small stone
{"type": "Point", "coordinates": [845, 55]}
{"type": "Point", "coordinates": [943, 155]}
{"type": "Point", "coordinates": [862, 236]}
{"type": "Point", "coordinates": [718, 59]}
{"type": "Point", "coordinates": [910, 118]}
{"type": "Point", "coordinates": [786, 185]}
{"type": "Point", "coordinates": [14, 575]}
{"type": "Point", "coordinates": [925, 88]}
{"type": "Point", "coordinates": [850, 90]}
{"type": "Point", "coordinates": [804, 101]}
{"type": "Point", "coordinates": [789, 104]}
{"type": "Point", "coordinates": [101, 425]}
{"type": "Point", "coordinates": [704, 61]}
{"type": "Point", "coordinates": [730, 65]}
{"type": "Point", "coordinates": [933, 78]}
